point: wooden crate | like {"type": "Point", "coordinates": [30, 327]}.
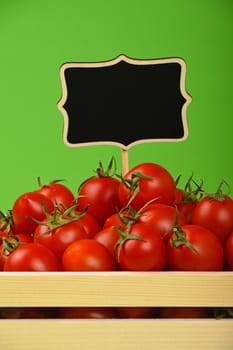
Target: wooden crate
{"type": "Point", "coordinates": [213, 289]}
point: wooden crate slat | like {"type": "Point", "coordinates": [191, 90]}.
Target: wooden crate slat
{"type": "Point", "coordinates": [114, 334]}
{"type": "Point", "coordinates": [117, 289]}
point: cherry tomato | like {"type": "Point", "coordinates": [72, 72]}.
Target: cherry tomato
{"type": "Point", "coordinates": [195, 248]}
{"type": "Point", "coordinates": [87, 312]}
{"type": "Point", "coordinates": [178, 195]}
{"type": "Point", "coordinates": [184, 312]}
{"type": "Point", "coordinates": [89, 223]}
{"type": "Point", "coordinates": [187, 198]}
{"type": "Point", "coordinates": [32, 257]}
{"type": "Point", "coordinates": [3, 233]}
{"type": "Point", "coordinates": [108, 237]}
{"type": "Point", "coordinates": [12, 242]}
{"type": "Point", "coordinates": [87, 255]}
{"type": "Point", "coordinates": [58, 193]}
{"type": "Point", "coordinates": [215, 214]}
{"type": "Point", "coordinates": [6, 224]}
{"type": "Point", "coordinates": [27, 312]}
{"type": "Point", "coordinates": [119, 219]}
{"type": "Point", "coordinates": [146, 182]}
{"type": "Point", "coordinates": [60, 237]}
{"type": "Point", "coordinates": [10, 312]}
{"type": "Point", "coordinates": [141, 250]}
{"type": "Point", "coordinates": [186, 209]}
{"type": "Point", "coordinates": [37, 312]}
{"type": "Point", "coordinates": [136, 312]}
{"type": "Point", "coordinates": [161, 217]}
{"type": "Point", "coordinates": [101, 196]}
{"type": "Point", "coordinates": [229, 251]}
{"type": "Point", "coordinates": [27, 206]}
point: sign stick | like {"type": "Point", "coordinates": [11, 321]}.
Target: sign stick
{"type": "Point", "coordinates": [125, 162]}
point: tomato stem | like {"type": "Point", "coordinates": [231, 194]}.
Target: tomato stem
{"type": "Point", "coordinates": [178, 237]}
{"type": "Point", "coordinates": [124, 236]}
{"type": "Point", "coordinates": [59, 218]}
{"type": "Point", "coordinates": [10, 246]}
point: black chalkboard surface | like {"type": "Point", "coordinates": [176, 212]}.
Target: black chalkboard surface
{"type": "Point", "coordinates": [124, 101]}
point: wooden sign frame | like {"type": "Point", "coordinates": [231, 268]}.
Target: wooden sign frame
{"type": "Point", "coordinates": [79, 76]}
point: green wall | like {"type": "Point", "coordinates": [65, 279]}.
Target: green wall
{"type": "Point", "coordinates": [37, 37]}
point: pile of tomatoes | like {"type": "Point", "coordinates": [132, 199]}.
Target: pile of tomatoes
{"type": "Point", "coordinates": [139, 221]}
{"type": "Point", "coordinates": [114, 312]}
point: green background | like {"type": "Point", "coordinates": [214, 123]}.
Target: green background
{"type": "Point", "coordinates": [37, 37]}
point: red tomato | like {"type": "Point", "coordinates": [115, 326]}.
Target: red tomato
{"type": "Point", "coordinates": [184, 312]}
{"type": "Point", "coordinates": [178, 195]}
{"type": "Point", "coordinates": [100, 194]}
{"type": "Point", "coordinates": [113, 220]}
{"type": "Point", "coordinates": [27, 206]}
{"type": "Point", "coordinates": [187, 198]}
{"type": "Point", "coordinates": [161, 217]}
{"type": "Point", "coordinates": [6, 224]}
{"type": "Point", "coordinates": [215, 214]}
{"type": "Point", "coordinates": [186, 209]}
{"type": "Point", "coordinates": [37, 312]}
{"type": "Point", "coordinates": [12, 242]}
{"type": "Point", "coordinates": [136, 312]}
{"type": "Point", "coordinates": [58, 193]}
{"type": "Point", "coordinates": [32, 257]}
{"type": "Point", "coordinates": [147, 181]}
{"type": "Point", "coordinates": [89, 223]}
{"type": "Point", "coordinates": [87, 312]}
{"type": "Point", "coordinates": [205, 253]}
{"type": "Point", "coordinates": [87, 255]}
{"type": "Point", "coordinates": [3, 233]}
{"type": "Point", "coordinates": [60, 237]}
{"type": "Point", "coordinates": [3, 256]}
{"type": "Point", "coordinates": [10, 312]}
{"type": "Point", "coordinates": [27, 312]}
{"type": "Point", "coordinates": [229, 251]}
{"type": "Point", "coordinates": [119, 219]}
{"type": "Point", "coordinates": [145, 251]}
{"type": "Point", "coordinates": [108, 237]}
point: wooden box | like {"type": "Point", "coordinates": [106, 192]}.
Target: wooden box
{"type": "Point", "coordinates": [214, 289]}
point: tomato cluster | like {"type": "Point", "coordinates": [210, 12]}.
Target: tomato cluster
{"type": "Point", "coordinates": [139, 221]}
{"type": "Point", "coordinates": [104, 312]}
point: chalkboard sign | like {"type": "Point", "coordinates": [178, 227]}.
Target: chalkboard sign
{"type": "Point", "coordinates": [124, 101]}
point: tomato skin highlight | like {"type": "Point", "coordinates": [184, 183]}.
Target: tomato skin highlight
{"type": "Point", "coordinates": [215, 215]}
{"type": "Point", "coordinates": [160, 186]}
{"type": "Point", "coordinates": [29, 205]}
{"type": "Point", "coordinates": [210, 256]}
{"type": "Point", "coordinates": [32, 257]}
{"type": "Point", "coordinates": [87, 255]}
{"type": "Point", "coordinates": [145, 254]}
